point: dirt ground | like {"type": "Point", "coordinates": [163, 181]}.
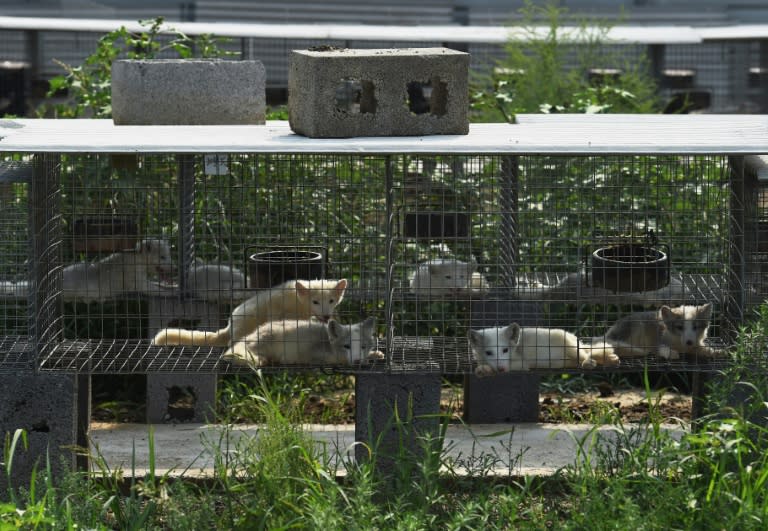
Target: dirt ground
{"type": "Point", "coordinates": [631, 404]}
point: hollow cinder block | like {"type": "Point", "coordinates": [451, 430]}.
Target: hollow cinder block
{"type": "Point", "coordinates": [182, 397]}
{"type": "Point", "coordinates": [46, 407]}
{"type": "Point", "coordinates": [396, 416]}
{"type": "Point", "coordinates": [510, 397]}
{"type": "Point", "coordinates": [502, 398]}
{"type": "Point", "coordinates": [388, 92]}
{"type": "Point", "coordinates": [188, 92]}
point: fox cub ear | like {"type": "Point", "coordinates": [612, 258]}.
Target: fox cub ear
{"type": "Point", "coordinates": [475, 338]}
{"type": "Point", "coordinates": [301, 289]}
{"type": "Point", "coordinates": [705, 311]}
{"type": "Point", "coordinates": [334, 328]}
{"type": "Point", "coordinates": [666, 313]}
{"type": "Point", "coordinates": [512, 332]}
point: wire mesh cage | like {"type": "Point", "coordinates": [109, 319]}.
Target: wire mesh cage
{"type": "Point", "coordinates": [431, 247]}
{"type": "Point", "coordinates": [399, 262]}
{"type": "Point", "coordinates": [15, 348]}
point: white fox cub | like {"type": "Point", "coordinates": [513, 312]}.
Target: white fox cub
{"type": "Point", "coordinates": [666, 332]}
{"type": "Point", "coordinates": [509, 348]}
{"type": "Point", "coordinates": [447, 276]}
{"type": "Point", "coordinates": [121, 272]}
{"type": "Point", "coordinates": [296, 342]}
{"type": "Point", "coordinates": [118, 273]}
{"type": "Point", "coordinates": [216, 282]}
{"type": "Point", "coordinates": [294, 299]}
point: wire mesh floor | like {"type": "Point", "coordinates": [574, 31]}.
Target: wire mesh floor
{"type": "Point", "coordinates": [407, 355]}
{"type": "Point", "coordinates": [16, 354]}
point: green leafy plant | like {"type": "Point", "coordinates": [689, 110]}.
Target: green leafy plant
{"type": "Point", "coordinates": [89, 86]}
{"type": "Point", "coordinates": [550, 73]}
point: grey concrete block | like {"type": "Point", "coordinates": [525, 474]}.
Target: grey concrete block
{"type": "Point", "coordinates": [188, 92]}
{"type": "Point", "coordinates": [181, 397]}
{"type": "Point", "coordinates": [166, 392]}
{"type": "Point", "coordinates": [46, 407]}
{"type": "Point", "coordinates": [391, 92]}
{"type": "Point", "coordinates": [395, 414]}
{"type": "Point", "coordinates": [511, 397]}
{"type": "Point", "coordinates": [508, 397]}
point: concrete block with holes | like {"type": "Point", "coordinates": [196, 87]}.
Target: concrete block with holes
{"type": "Point", "coordinates": [182, 397]}
{"type": "Point", "coordinates": [188, 92]}
{"type": "Point", "coordinates": [337, 93]}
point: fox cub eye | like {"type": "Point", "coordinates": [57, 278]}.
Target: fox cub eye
{"type": "Point", "coordinates": [489, 353]}
{"type": "Point", "coordinates": [448, 276]}
{"type": "Point", "coordinates": [348, 347]}
{"type": "Point", "coordinates": [316, 302]}
{"type": "Point", "coordinates": [506, 350]}
{"type": "Point", "coordinates": [330, 301]}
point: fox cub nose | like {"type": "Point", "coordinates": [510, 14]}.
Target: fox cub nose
{"type": "Point", "coordinates": [689, 342]}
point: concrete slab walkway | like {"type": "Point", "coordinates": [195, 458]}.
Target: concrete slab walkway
{"type": "Point", "coordinates": [499, 449]}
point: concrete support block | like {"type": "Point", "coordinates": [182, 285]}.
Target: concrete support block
{"type": "Point", "coordinates": [395, 416]}
{"type": "Point", "coordinates": [169, 397]}
{"type": "Point", "coordinates": [166, 393]}
{"type": "Point", "coordinates": [501, 398]}
{"type": "Point", "coordinates": [188, 92]}
{"type": "Point", "coordinates": [511, 397]}
{"type": "Point", "coordinates": [392, 92]}
{"type": "Point", "coordinates": [46, 407]}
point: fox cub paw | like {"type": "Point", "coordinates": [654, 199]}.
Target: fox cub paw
{"type": "Point", "coordinates": [667, 353]}
{"type": "Point", "coordinates": [484, 370]}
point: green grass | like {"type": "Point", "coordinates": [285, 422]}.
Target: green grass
{"type": "Point", "coordinates": [635, 476]}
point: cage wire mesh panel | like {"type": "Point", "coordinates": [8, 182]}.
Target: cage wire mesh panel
{"type": "Point", "coordinates": [484, 242]}
{"type": "Point", "coordinates": [15, 177]}
{"type": "Point", "coordinates": [432, 248]}
{"type": "Point", "coordinates": [180, 241]}
{"type": "Point", "coordinates": [756, 230]}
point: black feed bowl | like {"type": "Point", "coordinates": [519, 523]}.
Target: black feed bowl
{"type": "Point", "coordinates": [270, 268]}
{"type": "Point", "coordinates": [630, 268]}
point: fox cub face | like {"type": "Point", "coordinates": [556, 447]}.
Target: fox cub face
{"type": "Point", "coordinates": [685, 327]}
{"type": "Point", "coordinates": [494, 348]}
{"type": "Point", "coordinates": [356, 342]}
{"type": "Point", "coordinates": [322, 296]}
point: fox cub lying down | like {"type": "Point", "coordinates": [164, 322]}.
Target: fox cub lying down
{"type": "Point", "coordinates": [294, 299]}
{"type": "Point", "coordinates": [667, 333]}
{"type": "Point", "coordinates": [512, 348]}
{"type": "Point", "coordinates": [293, 342]}
{"type": "Point", "coordinates": [447, 276]}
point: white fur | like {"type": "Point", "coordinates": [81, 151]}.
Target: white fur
{"type": "Point", "coordinates": [305, 342]}
{"type": "Point", "coordinates": [216, 282]}
{"type": "Point", "coordinates": [666, 332]}
{"type": "Point", "coordinates": [512, 348]}
{"type": "Point", "coordinates": [447, 276]}
{"type": "Point", "coordinates": [294, 299]}
{"type": "Point", "coordinates": [118, 273]}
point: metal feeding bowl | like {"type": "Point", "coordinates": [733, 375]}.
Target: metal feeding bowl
{"type": "Point", "coordinates": [270, 268]}
{"type": "Point", "coordinates": [630, 267]}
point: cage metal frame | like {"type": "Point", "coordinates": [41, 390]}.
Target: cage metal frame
{"type": "Point", "coordinates": [43, 143]}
